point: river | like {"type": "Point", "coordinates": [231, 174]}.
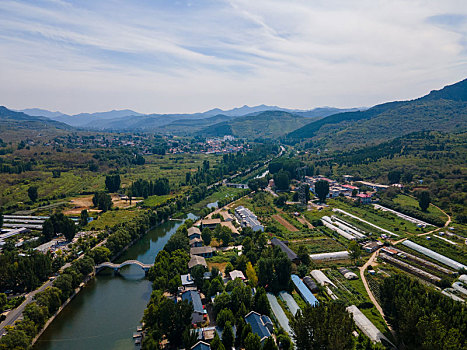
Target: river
{"type": "Point", "coordinates": [107, 311]}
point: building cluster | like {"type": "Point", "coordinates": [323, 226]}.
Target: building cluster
{"type": "Point", "coordinates": [335, 188]}
{"type": "Point", "coordinates": [246, 218]}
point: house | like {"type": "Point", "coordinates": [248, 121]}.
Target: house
{"type": "Point", "coordinates": [205, 252]}
{"type": "Point", "coordinates": [260, 325]}
{"type": "Point", "coordinates": [196, 260]}
{"type": "Point", "coordinates": [364, 198]}
{"type": "Point", "coordinates": [196, 242]}
{"type": "Point", "coordinates": [347, 178]}
{"type": "Point", "coordinates": [374, 186]}
{"type": "Point", "coordinates": [247, 219]}
{"type": "Point", "coordinates": [290, 253]}
{"type": "Point", "coordinates": [210, 223]}
{"type": "Point", "coordinates": [199, 312]}
{"type": "Point", "coordinates": [194, 232]}
{"type": "Point", "coordinates": [372, 246]}
{"type": "Point", "coordinates": [236, 274]}
{"type": "Point", "coordinates": [187, 280]}
{"type": "Point", "coordinates": [201, 345]}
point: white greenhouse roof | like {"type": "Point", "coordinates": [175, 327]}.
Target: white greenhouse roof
{"type": "Point", "coordinates": [321, 278]}
{"type": "Point", "coordinates": [428, 252]}
{"type": "Point", "coordinates": [365, 325]}
{"type": "Point", "coordinates": [330, 256]}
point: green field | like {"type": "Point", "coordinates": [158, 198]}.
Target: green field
{"type": "Point", "coordinates": [111, 218]}
{"type": "Point", "coordinates": [412, 202]}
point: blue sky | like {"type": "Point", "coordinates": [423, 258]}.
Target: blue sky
{"type": "Point", "coordinates": [186, 56]}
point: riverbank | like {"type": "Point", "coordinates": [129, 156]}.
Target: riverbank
{"type": "Point", "coordinates": [105, 314]}
{"type": "Point", "coordinates": [86, 281]}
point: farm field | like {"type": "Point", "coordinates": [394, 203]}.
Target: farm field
{"type": "Point", "coordinates": [385, 220]}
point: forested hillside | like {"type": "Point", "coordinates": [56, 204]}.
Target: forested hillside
{"type": "Point", "coordinates": [14, 125]}
{"type": "Point", "coordinates": [444, 110]}
{"type": "Point", "coordinates": [270, 124]}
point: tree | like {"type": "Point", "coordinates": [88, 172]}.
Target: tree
{"type": "Point", "coordinates": [224, 316]}
{"type": "Point", "coordinates": [197, 272]}
{"type": "Point", "coordinates": [102, 201]}
{"type": "Point", "coordinates": [251, 274]}
{"type": "Point", "coordinates": [228, 336]}
{"type": "Point", "coordinates": [216, 343]}
{"type": "Point", "coordinates": [228, 268]}
{"type": "Point", "coordinates": [206, 235]}
{"type": "Point", "coordinates": [303, 254]}
{"type": "Point", "coordinates": [394, 176]}
{"type": "Point", "coordinates": [83, 218]}
{"type": "Point", "coordinates": [59, 224]}
{"type": "Point", "coordinates": [100, 254]}
{"type": "Point", "coordinates": [225, 235]}
{"type": "Point", "coordinates": [322, 190]}
{"type": "Point", "coordinates": [285, 343]}
{"type": "Point", "coordinates": [282, 180]}
{"type": "Point", "coordinates": [424, 200]}
{"type": "Point", "coordinates": [112, 182]}
{"type": "Point", "coordinates": [355, 251]}
{"type": "Point", "coordinates": [280, 200]}
{"type": "Point", "coordinates": [252, 342]}
{"type": "Point", "coordinates": [270, 344]}
{"type": "Point", "coordinates": [326, 326]}
{"type": "Point", "coordinates": [32, 193]}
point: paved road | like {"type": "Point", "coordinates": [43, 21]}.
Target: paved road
{"type": "Point", "coordinates": [14, 314]}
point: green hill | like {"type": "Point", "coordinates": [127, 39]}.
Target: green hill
{"type": "Point", "coordinates": [269, 124]}
{"type": "Point", "coordinates": [14, 125]}
{"type": "Point", "coordinates": [442, 110]}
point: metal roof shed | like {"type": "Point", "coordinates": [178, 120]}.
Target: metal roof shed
{"type": "Point", "coordinates": [306, 294]}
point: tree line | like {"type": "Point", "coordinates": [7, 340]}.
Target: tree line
{"type": "Point", "coordinates": [422, 317]}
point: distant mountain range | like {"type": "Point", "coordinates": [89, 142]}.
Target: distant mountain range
{"type": "Point", "coordinates": [440, 110]}
{"type": "Point", "coordinates": [128, 120]}
{"type": "Point", "coordinates": [18, 125]}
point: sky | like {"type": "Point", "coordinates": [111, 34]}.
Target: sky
{"type": "Point", "coordinates": [168, 56]}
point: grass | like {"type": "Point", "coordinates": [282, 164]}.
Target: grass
{"type": "Point", "coordinates": [221, 193]}
{"type": "Point", "coordinates": [153, 201]}
{"type": "Point", "coordinates": [111, 218]}
{"type": "Point", "coordinates": [412, 202]}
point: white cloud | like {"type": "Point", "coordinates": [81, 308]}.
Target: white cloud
{"type": "Point", "coordinates": [159, 56]}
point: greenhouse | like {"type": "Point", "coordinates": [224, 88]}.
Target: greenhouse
{"type": "Point", "coordinates": [430, 253]}
{"type": "Point", "coordinates": [366, 326]}
{"type": "Point", "coordinates": [304, 292]}
{"type": "Point", "coordinates": [342, 255]}
{"type": "Point", "coordinates": [321, 278]}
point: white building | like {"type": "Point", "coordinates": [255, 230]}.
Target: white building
{"type": "Point", "coordinates": [247, 219]}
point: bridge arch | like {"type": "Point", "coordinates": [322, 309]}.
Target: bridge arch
{"type": "Point", "coordinates": [117, 267]}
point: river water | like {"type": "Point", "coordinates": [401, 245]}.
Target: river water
{"type": "Point", "coordinates": [107, 311]}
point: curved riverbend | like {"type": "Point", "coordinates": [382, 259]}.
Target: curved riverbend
{"type": "Point", "coordinates": [107, 311]}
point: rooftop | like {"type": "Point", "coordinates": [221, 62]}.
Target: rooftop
{"type": "Point", "coordinates": [194, 297]}
{"type": "Point", "coordinates": [290, 253]}
{"type": "Point", "coordinates": [257, 325]}
{"type": "Point", "coordinates": [197, 260]}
